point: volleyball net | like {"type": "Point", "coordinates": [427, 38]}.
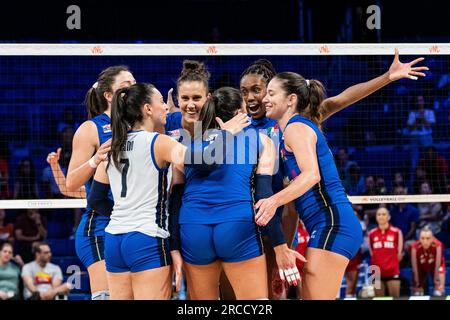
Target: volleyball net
{"type": "Point", "coordinates": [391, 147]}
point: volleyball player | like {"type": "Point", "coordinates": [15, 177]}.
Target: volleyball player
{"type": "Point", "coordinates": [217, 228]}
{"type": "Point", "coordinates": [254, 81]}
{"type": "Point", "coordinates": [90, 147]}
{"type": "Point", "coordinates": [427, 257]}
{"type": "Point", "coordinates": [386, 249]}
{"type": "Point", "coordinates": [137, 252]}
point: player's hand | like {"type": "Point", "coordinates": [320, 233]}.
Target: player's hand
{"type": "Point", "coordinates": [177, 268]}
{"type": "Point", "coordinates": [399, 70]}
{"type": "Point", "coordinates": [102, 152]}
{"type": "Point", "coordinates": [266, 209]}
{"type": "Point", "coordinates": [170, 103]}
{"type": "Point", "coordinates": [235, 124]}
{"type": "Point", "coordinates": [286, 264]}
{"type": "Point", "coordinates": [53, 157]}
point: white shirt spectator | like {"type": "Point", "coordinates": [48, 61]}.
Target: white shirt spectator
{"type": "Point", "coordinates": [43, 278]}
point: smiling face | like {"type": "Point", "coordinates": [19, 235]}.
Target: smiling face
{"type": "Point", "coordinates": [276, 101]}
{"type": "Point", "coordinates": [254, 89]}
{"type": "Point", "coordinates": [192, 95]}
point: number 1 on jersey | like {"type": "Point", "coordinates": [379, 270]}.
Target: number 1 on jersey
{"type": "Point", "coordinates": [126, 163]}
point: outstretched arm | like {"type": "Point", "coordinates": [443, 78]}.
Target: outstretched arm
{"type": "Point", "coordinates": [349, 96]}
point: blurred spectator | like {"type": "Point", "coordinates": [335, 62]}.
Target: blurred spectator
{"type": "Point", "coordinates": [436, 169]}
{"type": "Point", "coordinates": [9, 273]}
{"type": "Point", "coordinates": [381, 186]}
{"type": "Point", "coordinates": [398, 180]}
{"type": "Point", "coordinates": [419, 178]}
{"type": "Point", "coordinates": [343, 163]}
{"type": "Point", "coordinates": [404, 216]}
{"type": "Point", "coordinates": [42, 279]}
{"type": "Point", "coordinates": [6, 229]}
{"type": "Point", "coordinates": [25, 185]}
{"type": "Point", "coordinates": [370, 210]}
{"type": "Point", "coordinates": [430, 213]}
{"type": "Point", "coordinates": [68, 121]}
{"type": "Point", "coordinates": [386, 248]}
{"type": "Point", "coordinates": [420, 123]}
{"type": "Point", "coordinates": [4, 171]}
{"type": "Point", "coordinates": [427, 257]}
{"type": "Point", "coordinates": [30, 227]}
{"type": "Point", "coordinates": [354, 181]}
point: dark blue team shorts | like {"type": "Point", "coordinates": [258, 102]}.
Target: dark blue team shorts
{"type": "Point", "coordinates": [135, 252]}
{"type": "Point", "coordinates": [89, 249]}
{"type": "Point", "coordinates": [228, 241]}
{"type": "Point", "coordinates": [336, 229]}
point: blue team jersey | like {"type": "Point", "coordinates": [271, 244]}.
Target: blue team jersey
{"type": "Point", "coordinates": [224, 194]}
{"type": "Point", "coordinates": [329, 191]}
{"type": "Point", "coordinates": [173, 121]}
{"type": "Point", "coordinates": [93, 224]}
{"type": "Point", "coordinates": [270, 127]}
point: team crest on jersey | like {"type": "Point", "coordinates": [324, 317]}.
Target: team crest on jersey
{"type": "Point", "coordinates": [106, 128]}
{"type": "Point", "coordinates": [272, 131]}
{"type": "Point", "coordinates": [390, 238]}
{"type": "Point", "coordinates": [375, 239]}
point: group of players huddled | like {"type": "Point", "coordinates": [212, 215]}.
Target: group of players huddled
{"type": "Point", "coordinates": [213, 188]}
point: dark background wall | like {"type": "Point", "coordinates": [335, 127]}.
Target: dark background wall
{"type": "Point", "coordinates": [225, 21]}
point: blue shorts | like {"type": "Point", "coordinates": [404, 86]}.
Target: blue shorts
{"type": "Point", "coordinates": [228, 241]}
{"type": "Point", "coordinates": [89, 249]}
{"type": "Point", "coordinates": [135, 252]}
{"type": "Point", "coordinates": [336, 229]}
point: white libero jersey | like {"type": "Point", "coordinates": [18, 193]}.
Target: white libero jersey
{"type": "Point", "coordinates": [140, 189]}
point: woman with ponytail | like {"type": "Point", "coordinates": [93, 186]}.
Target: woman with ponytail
{"type": "Point", "coordinates": [218, 230]}
{"type": "Point", "coordinates": [320, 199]}
{"type": "Point", "coordinates": [90, 146]}
{"type": "Point", "coordinates": [253, 85]}
{"type": "Point", "coordinates": [137, 251]}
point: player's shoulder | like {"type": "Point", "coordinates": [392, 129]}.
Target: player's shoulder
{"type": "Point", "coordinates": [437, 243]}
{"type": "Point", "coordinates": [373, 231]}
{"type": "Point", "coordinates": [394, 229]}
{"type": "Point", "coordinates": [416, 245]}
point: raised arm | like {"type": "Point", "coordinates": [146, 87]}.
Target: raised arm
{"type": "Point", "coordinates": [60, 178]}
{"type": "Point", "coordinates": [84, 146]}
{"type": "Point", "coordinates": [170, 103]}
{"type": "Point", "coordinates": [397, 70]}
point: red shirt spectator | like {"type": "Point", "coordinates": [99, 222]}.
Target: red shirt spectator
{"type": "Point", "coordinates": [29, 228]}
